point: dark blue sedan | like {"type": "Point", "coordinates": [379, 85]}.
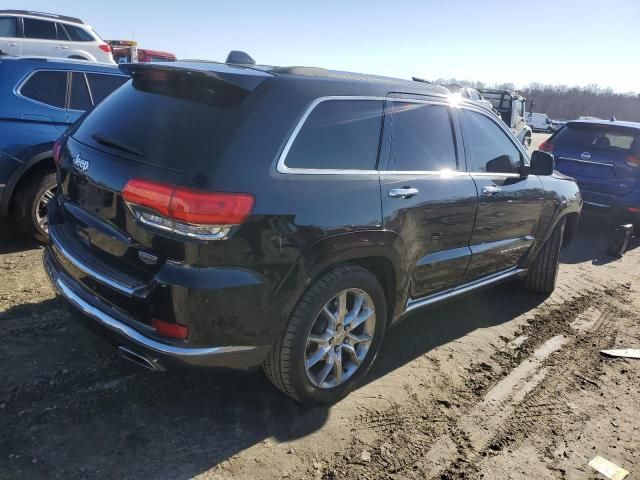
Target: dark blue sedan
{"type": "Point", "coordinates": [604, 157]}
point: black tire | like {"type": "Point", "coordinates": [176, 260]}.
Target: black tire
{"type": "Point", "coordinates": [27, 204]}
{"type": "Point", "coordinates": [285, 365]}
{"type": "Point", "coordinates": [543, 273]}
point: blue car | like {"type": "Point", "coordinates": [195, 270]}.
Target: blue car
{"type": "Point", "coordinates": [604, 157]}
{"type": "Point", "coordinates": [39, 99]}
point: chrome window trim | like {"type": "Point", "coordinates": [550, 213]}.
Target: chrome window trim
{"type": "Point", "coordinates": [17, 90]}
{"type": "Point", "coordinates": [281, 166]}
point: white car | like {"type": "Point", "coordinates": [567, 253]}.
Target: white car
{"type": "Point", "coordinates": [26, 33]}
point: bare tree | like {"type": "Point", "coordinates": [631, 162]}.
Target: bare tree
{"type": "Point", "coordinates": [565, 102]}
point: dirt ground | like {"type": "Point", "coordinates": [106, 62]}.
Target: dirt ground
{"type": "Point", "coordinates": [501, 384]}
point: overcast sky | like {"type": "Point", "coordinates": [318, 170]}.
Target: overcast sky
{"type": "Point", "coordinates": [573, 42]}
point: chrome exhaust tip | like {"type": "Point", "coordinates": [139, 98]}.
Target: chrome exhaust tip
{"type": "Point", "coordinates": [137, 359]}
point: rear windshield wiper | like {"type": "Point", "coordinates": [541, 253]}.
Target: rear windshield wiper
{"type": "Point", "coordinates": [116, 145]}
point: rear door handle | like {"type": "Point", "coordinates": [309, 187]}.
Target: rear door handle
{"type": "Point", "coordinates": [491, 190]}
{"type": "Point", "coordinates": [404, 192]}
{"type": "Point", "coordinates": [62, 47]}
{"type": "Point", "coordinates": [12, 44]}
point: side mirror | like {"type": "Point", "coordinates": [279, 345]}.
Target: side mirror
{"type": "Point", "coordinates": [542, 163]}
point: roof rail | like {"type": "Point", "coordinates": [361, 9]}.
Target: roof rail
{"type": "Point", "coordinates": [421, 80]}
{"type": "Point", "coordinates": [52, 16]}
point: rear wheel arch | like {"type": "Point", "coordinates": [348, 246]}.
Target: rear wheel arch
{"type": "Point", "coordinates": [321, 258]}
{"type": "Point", "coordinates": [39, 164]}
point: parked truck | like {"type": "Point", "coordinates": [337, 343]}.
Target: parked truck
{"type": "Point", "coordinates": [511, 106]}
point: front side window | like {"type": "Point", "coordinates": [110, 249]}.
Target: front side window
{"type": "Point", "coordinates": [422, 137]}
{"type": "Point", "coordinates": [339, 134]}
{"type": "Point", "coordinates": [46, 87]}
{"type": "Point", "coordinates": [80, 99]}
{"type": "Point", "coordinates": [102, 85]}
{"type": "Point", "coordinates": [8, 27]}
{"type": "Point", "coordinates": [41, 29]}
{"type": "Point", "coordinates": [488, 147]}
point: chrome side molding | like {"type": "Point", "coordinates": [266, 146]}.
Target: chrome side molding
{"type": "Point", "coordinates": [465, 288]}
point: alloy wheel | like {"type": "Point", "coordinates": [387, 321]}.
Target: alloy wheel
{"type": "Point", "coordinates": [42, 207]}
{"type": "Point", "coordinates": [340, 338]}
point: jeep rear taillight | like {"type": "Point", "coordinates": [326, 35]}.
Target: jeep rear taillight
{"type": "Point", "coordinates": [57, 152]}
{"type": "Point", "coordinates": [633, 160]}
{"type": "Point", "coordinates": [546, 146]}
{"type": "Point", "coordinates": [184, 211]}
{"type": "Point", "coordinates": [105, 47]}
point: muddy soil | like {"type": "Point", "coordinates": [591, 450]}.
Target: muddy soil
{"type": "Point", "coordinates": [500, 384]}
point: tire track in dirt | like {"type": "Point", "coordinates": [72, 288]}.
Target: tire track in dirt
{"type": "Point", "coordinates": [501, 401]}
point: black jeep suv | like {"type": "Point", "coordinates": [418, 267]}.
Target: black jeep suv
{"type": "Point", "coordinates": [235, 217]}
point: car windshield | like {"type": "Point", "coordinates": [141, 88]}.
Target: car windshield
{"type": "Point", "coordinates": [599, 137]}
{"type": "Point", "coordinates": [498, 100]}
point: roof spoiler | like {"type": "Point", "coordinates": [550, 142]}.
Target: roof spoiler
{"type": "Point", "coordinates": [237, 77]}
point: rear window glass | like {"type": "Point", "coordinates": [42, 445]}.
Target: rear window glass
{"type": "Point", "coordinates": [46, 87]}
{"type": "Point", "coordinates": [102, 85]}
{"type": "Point", "coordinates": [422, 137]}
{"type": "Point", "coordinates": [77, 34]}
{"type": "Point", "coordinates": [598, 137]}
{"type": "Point", "coordinates": [339, 134]}
{"type": "Point", "coordinates": [160, 118]}
{"type": "Point", "coordinates": [8, 27]}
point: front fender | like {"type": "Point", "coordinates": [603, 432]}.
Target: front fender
{"type": "Point", "coordinates": [561, 198]}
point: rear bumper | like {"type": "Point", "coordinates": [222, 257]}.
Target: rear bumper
{"type": "Point", "coordinates": [627, 206]}
{"type": "Point", "coordinates": [119, 328]}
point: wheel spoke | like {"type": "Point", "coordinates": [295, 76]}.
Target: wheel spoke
{"type": "Point", "coordinates": [361, 318]}
{"type": "Point", "coordinates": [337, 366]}
{"type": "Point", "coordinates": [331, 317]}
{"type": "Point", "coordinates": [355, 310]}
{"type": "Point", "coordinates": [359, 338]}
{"type": "Point", "coordinates": [318, 355]}
{"type": "Point", "coordinates": [351, 351]}
{"type": "Point", "coordinates": [320, 338]}
{"type": "Point", "coordinates": [328, 366]}
{"type": "Point", "coordinates": [342, 308]}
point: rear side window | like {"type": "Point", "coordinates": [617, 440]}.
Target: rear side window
{"type": "Point", "coordinates": [422, 137]}
{"type": "Point", "coordinates": [80, 99]}
{"type": "Point", "coordinates": [488, 147]}
{"type": "Point", "coordinates": [102, 85]}
{"type": "Point", "coordinates": [77, 34]}
{"type": "Point", "coordinates": [41, 29]}
{"type": "Point", "coordinates": [46, 87]}
{"type": "Point", "coordinates": [339, 134]}
{"type": "Point", "coordinates": [8, 27]}
{"type": "Point", "coordinates": [597, 137]}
